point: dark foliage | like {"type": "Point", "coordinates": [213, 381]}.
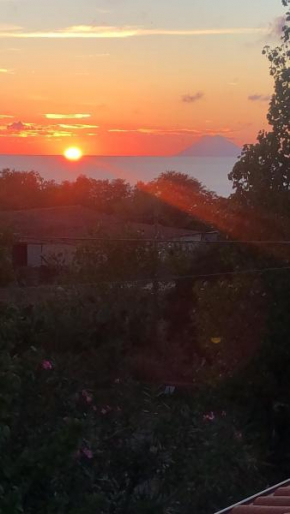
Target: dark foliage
{"type": "Point", "coordinates": [159, 200]}
{"type": "Point", "coordinates": [261, 177]}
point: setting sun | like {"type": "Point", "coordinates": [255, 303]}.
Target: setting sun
{"type": "Point", "coordinates": [73, 153]}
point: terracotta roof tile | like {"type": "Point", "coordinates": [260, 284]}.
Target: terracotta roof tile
{"type": "Point", "coordinates": [282, 491]}
{"type": "Point", "coordinates": [274, 500]}
{"type": "Point", "coordinates": [260, 509]}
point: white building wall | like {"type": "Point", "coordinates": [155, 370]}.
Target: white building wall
{"type": "Point", "coordinates": [34, 255]}
{"type": "Point", "coordinates": [43, 254]}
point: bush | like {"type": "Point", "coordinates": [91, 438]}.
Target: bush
{"type": "Point", "coordinates": [78, 435]}
{"type": "Point", "coordinates": [67, 448]}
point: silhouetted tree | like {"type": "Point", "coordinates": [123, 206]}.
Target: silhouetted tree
{"type": "Point", "coordinates": [179, 200]}
{"type": "Point", "coordinates": [21, 190]}
{"type": "Point", "coordinates": [261, 177]}
{"type": "Point", "coordinates": [172, 199]}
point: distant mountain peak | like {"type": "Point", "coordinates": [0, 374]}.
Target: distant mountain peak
{"type": "Point", "coordinates": [212, 146]}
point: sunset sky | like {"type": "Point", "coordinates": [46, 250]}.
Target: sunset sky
{"type": "Point", "coordinates": [131, 77]}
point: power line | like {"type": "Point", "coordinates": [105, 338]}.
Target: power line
{"type": "Point", "coordinates": [184, 277]}
{"type": "Point", "coordinates": [239, 272]}
{"type": "Point", "coordinates": [155, 241]}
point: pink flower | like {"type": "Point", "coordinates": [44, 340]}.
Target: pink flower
{"type": "Point", "coordinates": [224, 413]}
{"type": "Point", "coordinates": [209, 417]}
{"type": "Point", "coordinates": [88, 453]}
{"type": "Point", "coordinates": [46, 365]}
{"type": "Point", "coordinates": [239, 436]}
{"type": "Point", "coordinates": [84, 452]}
{"type": "Point", "coordinates": [87, 397]}
{"type": "Point", "coordinates": [103, 411]}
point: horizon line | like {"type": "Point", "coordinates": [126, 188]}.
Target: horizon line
{"type": "Point", "coordinates": [110, 156]}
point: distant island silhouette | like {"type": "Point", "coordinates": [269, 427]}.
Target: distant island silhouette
{"type": "Point", "coordinates": [212, 146]}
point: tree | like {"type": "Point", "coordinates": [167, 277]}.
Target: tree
{"type": "Point", "coordinates": [179, 200]}
{"type": "Point", "coordinates": [20, 190]}
{"type": "Point", "coordinates": [261, 177]}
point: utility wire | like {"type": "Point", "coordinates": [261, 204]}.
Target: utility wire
{"type": "Point", "coordinates": [182, 277]}
{"type": "Point", "coordinates": [174, 242]}
{"type": "Point", "coordinates": [155, 241]}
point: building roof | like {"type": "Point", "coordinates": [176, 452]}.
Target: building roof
{"type": "Point", "coordinates": [275, 500]}
{"type": "Point", "coordinates": [77, 222]}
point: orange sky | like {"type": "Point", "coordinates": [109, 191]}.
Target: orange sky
{"type": "Point", "coordinates": [124, 77]}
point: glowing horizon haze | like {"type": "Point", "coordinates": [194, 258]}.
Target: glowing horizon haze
{"type": "Point", "coordinates": [132, 77]}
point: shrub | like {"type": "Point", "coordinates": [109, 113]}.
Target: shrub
{"type": "Point", "coordinates": [65, 447]}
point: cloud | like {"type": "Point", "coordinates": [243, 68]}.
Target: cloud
{"type": "Point", "coordinates": [66, 116]}
{"type": "Point", "coordinates": [275, 28]}
{"type": "Point", "coordinates": [25, 130]}
{"type": "Point", "coordinates": [104, 31]}
{"type": "Point", "coordinates": [156, 131]}
{"type": "Point", "coordinates": [20, 129]}
{"type": "Point", "coordinates": [259, 98]}
{"type": "Point", "coordinates": [190, 99]}
{"type": "Point", "coordinates": [3, 116]}
{"type": "Point", "coordinates": [171, 132]}
{"type": "Point", "coordinates": [5, 70]}
{"type": "Point", "coordinates": [78, 126]}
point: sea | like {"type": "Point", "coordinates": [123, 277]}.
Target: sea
{"type": "Point", "coordinates": [212, 172]}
